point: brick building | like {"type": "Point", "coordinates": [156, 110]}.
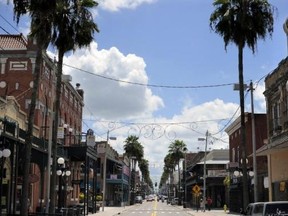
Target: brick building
{"type": "Point", "coordinates": [17, 68]}
{"type": "Point", "coordinates": [276, 147]}
{"type": "Point", "coordinates": [236, 184]}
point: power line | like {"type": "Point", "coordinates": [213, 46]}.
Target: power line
{"type": "Point", "coordinates": [149, 85]}
{"type": "Point", "coordinates": [10, 24]}
{"type": "Point", "coordinates": [5, 30]}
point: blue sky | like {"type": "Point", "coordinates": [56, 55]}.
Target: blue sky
{"type": "Point", "coordinates": [163, 43]}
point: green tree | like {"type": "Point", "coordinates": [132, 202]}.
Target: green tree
{"type": "Point", "coordinates": [242, 22]}
{"type": "Point", "coordinates": [177, 150]}
{"type": "Point", "coordinates": [133, 148]}
{"type": "Point", "coordinates": [144, 168]}
{"type": "Point", "coordinates": [69, 24]}
{"type": "Point", "coordinates": [40, 13]}
{"type": "Point", "coordinates": [73, 27]}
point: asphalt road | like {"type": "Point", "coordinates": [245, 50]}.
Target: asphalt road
{"type": "Point", "coordinates": [154, 209]}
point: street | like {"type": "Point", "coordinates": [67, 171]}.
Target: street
{"type": "Point", "coordinates": [154, 209]}
{"type": "Point", "coordinates": [158, 209]}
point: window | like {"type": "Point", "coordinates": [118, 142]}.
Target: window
{"type": "Point", "coordinates": [18, 65]}
{"type": "Point", "coordinates": [71, 99]}
{"type": "Point", "coordinates": [276, 116]}
{"type": "Point", "coordinates": [66, 92]}
{"type": "Point", "coordinates": [47, 72]}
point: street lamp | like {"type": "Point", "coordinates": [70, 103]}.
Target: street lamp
{"type": "Point", "coordinates": [4, 153]}
{"type": "Point", "coordinates": [62, 172]}
{"type": "Point", "coordinates": [204, 170]}
{"type": "Point", "coordinates": [184, 177]}
{"type": "Point", "coordinates": [69, 134]}
{"type": "Point", "coordinates": [105, 167]}
{"type": "Point", "coordinates": [132, 179]}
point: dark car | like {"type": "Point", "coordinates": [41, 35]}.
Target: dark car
{"type": "Point", "coordinates": [138, 199]}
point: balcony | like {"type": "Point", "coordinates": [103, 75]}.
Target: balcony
{"type": "Point", "coordinates": [116, 178]}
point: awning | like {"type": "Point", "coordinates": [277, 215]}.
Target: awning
{"type": "Point", "coordinates": [215, 162]}
{"type": "Point", "coordinates": [273, 147]}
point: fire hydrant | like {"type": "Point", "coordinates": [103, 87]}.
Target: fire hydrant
{"type": "Point", "coordinates": [225, 208]}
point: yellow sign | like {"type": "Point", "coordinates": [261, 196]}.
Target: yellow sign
{"type": "Point", "coordinates": [196, 189]}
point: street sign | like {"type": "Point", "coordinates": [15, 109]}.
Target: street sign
{"type": "Point", "coordinates": [196, 189]}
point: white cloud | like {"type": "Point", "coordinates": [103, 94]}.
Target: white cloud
{"type": "Point", "coordinates": [117, 5]}
{"type": "Point", "coordinates": [109, 100]}
{"type": "Point", "coordinates": [106, 97]}
{"type": "Point", "coordinates": [259, 98]}
{"type": "Point", "coordinates": [188, 126]}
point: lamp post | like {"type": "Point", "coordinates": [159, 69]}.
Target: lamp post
{"type": "Point", "coordinates": [4, 153]}
{"type": "Point", "coordinates": [254, 145]}
{"type": "Point", "coordinates": [184, 177]}
{"type": "Point", "coordinates": [105, 168]}
{"type": "Point", "coordinates": [204, 170]}
{"type": "Point", "coordinates": [69, 134]}
{"type": "Point", "coordinates": [132, 180]}
{"type": "Point", "coordinates": [239, 173]}
{"type": "Point", "coordinates": [62, 172]}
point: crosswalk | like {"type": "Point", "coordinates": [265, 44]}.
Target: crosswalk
{"type": "Point", "coordinates": [158, 211]}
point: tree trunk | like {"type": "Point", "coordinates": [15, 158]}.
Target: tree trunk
{"type": "Point", "coordinates": [29, 133]}
{"type": "Point", "coordinates": [55, 131]}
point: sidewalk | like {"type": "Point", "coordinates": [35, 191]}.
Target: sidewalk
{"type": "Point", "coordinates": [112, 211]}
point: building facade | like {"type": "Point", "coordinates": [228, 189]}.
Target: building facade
{"type": "Point", "coordinates": [216, 171]}
{"type": "Point", "coordinates": [276, 147]}
{"type": "Point", "coordinates": [235, 149]}
{"type": "Point", "coordinates": [17, 69]}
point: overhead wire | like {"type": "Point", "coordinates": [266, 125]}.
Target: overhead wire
{"type": "Point", "coordinates": [10, 24]}
{"type": "Point", "coordinates": [146, 85]}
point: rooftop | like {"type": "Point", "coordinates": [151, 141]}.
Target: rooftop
{"type": "Point", "coordinates": [12, 42]}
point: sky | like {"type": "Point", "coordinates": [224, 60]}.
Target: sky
{"type": "Point", "coordinates": [156, 70]}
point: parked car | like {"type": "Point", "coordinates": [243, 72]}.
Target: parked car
{"type": "Point", "coordinates": [267, 208]}
{"type": "Point", "coordinates": [150, 198]}
{"type": "Point", "coordinates": [174, 201]}
{"type": "Point", "coordinates": [138, 199]}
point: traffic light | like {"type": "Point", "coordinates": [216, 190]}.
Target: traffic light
{"type": "Point", "coordinates": [155, 184]}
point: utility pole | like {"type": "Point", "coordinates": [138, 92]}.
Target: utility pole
{"type": "Point", "coordinates": [104, 171]}
{"type": "Point", "coordinates": [204, 176]}
{"type": "Point", "coordinates": [204, 169]}
{"type": "Point", "coordinates": [254, 145]}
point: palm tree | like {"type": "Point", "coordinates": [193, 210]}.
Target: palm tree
{"type": "Point", "coordinates": [73, 27]}
{"type": "Point", "coordinates": [144, 168]}
{"type": "Point", "coordinates": [177, 149]}
{"type": "Point", "coordinates": [242, 22]}
{"type": "Point", "coordinates": [169, 166]}
{"type": "Point", "coordinates": [40, 12]}
{"type": "Point", "coordinates": [133, 148]}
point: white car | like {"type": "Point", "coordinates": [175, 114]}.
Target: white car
{"type": "Point", "coordinates": [267, 208]}
{"type": "Point", "coordinates": [150, 198]}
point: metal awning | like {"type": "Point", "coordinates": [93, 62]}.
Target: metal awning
{"type": "Point", "coordinates": [273, 147]}
{"type": "Point", "coordinates": [215, 162]}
